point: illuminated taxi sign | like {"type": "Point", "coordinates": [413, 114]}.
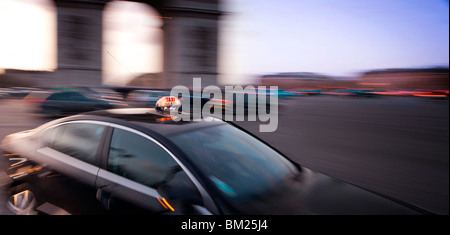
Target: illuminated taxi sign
{"type": "Point", "coordinates": [166, 103]}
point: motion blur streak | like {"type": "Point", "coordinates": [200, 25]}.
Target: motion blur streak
{"type": "Point", "coordinates": [167, 204]}
{"type": "Point", "coordinates": [164, 205]}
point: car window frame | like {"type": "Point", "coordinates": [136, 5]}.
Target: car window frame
{"type": "Point", "coordinates": [107, 153]}
{"type": "Point", "coordinates": [208, 202]}
{"type": "Point", "coordinates": [98, 153]}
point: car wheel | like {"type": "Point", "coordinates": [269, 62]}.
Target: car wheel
{"type": "Point", "coordinates": [22, 200]}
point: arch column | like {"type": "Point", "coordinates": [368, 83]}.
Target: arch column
{"type": "Point", "coordinates": [190, 45]}
{"type": "Point", "coordinates": [80, 42]}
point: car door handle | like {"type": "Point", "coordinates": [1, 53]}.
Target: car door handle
{"type": "Point", "coordinates": [103, 197]}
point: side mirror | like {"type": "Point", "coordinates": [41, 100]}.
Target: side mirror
{"type": "Point", "coordinates": [178, 188]}
{"type": "Point", "coordinates": [180, 193]}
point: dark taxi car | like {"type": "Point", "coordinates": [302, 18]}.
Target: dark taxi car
{"type": "Point", "coordinates": [73, 102]}
{"type": "Point", "coordinates": [141, 161]}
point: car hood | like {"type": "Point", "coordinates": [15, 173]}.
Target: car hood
{"type": "Point", "coordinates": [315, 193]}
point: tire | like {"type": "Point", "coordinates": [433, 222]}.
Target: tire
{"type": "Point", "coordinates": [22, 200]}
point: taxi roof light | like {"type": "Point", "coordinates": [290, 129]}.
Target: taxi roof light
{"type": "Point", "coordinates": [167, 103]}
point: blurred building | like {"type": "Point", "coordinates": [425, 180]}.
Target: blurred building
{"type": "Point", "coordinates": [423, 78]}
{"type": "Point", "coordinates": [26, 78]}
{"type": "Point", "coordinates": [190, 43]}
{"type": "Point", "coordinates": [190, 40]}
{"type": "Point", "coordinates": [306, 81]}
{"type": "Point", "coordinates": [147, 80]}
{"type": "Point", "coordinates": [406, 79]}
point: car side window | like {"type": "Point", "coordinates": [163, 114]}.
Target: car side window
{"type": "Point", "coordinates": [142, 160]}
{"type": "Point", "coordinates": [78, 97]}
{"type": "Point", "coordinates": [79, 140]}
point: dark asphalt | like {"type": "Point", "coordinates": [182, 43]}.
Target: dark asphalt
{"type": "Point", "coordinates": [394, 146]}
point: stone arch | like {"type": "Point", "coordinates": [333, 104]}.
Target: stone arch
{"type": "Point", "coordinates": [190, 29]}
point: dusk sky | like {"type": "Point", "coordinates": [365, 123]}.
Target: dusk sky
{"type": "Point", "coordinates": [258, 37]}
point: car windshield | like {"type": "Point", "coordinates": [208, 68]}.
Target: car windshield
{"type": "Point", "coordinates": [239, 165]}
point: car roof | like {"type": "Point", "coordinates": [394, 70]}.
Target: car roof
{"type": "Point", "coordinates": [147, 118]}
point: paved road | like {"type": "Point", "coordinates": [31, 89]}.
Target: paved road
{"type": "Point", "coordinates": [395, 146]}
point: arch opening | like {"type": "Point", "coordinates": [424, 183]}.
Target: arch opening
{"type": "Point", "coordinates": [132, 44]}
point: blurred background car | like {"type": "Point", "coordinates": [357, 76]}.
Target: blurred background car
{"type": "Point", "coordinates": [246, 102]}
{"type": "Point", "coordinates": [289, 93]}
{"type": "Point", "coordinates": [4, 93]}
{"type": "Point", "coordinates": [62, 103]}
{"type": "Point", "coordinates": [194, 99]}
{"type": "Point", "coordinates": [351, 93]}
{"type": "Point", "coordinates": [145, 98]}
{"type": "Point", "coordinates": [17, 92]}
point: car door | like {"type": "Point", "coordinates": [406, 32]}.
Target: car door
{"type": "Point", "coordinates": [79, 103]}
{"type": "Point", "coordinates": [71, 150]}
{"type": "Point", "coordinates": [140, 175]}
